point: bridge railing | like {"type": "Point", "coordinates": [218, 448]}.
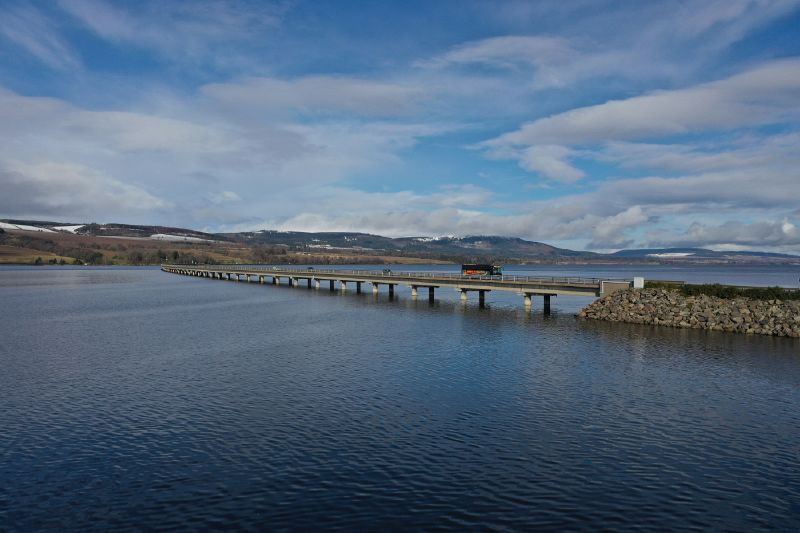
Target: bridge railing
{"type": "Point", "coordinates": [267, 269]}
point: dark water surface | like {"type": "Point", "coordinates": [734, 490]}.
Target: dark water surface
{"type": "Point", "coordinates": [134, 399]}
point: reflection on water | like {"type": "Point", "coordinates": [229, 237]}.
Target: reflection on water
{"type": "Point", "coordinates": [136, 399]}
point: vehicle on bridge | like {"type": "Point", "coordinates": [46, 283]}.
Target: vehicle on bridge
{"type": "Point", "coordinates": [481, 270]}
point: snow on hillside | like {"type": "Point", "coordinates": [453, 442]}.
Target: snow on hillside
{"type": "Point", "coordinates": [68, 229]}
{"type": "Point", "coordinates": [176, 238]}
{"type": "Point", "coordinates": [23, 227]}
{"type": "Point", "coordinates": [671, 255]}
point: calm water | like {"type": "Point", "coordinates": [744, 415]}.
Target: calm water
{"type": "Point", "coordinates": [134, 399]}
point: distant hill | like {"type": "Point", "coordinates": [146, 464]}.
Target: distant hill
{"type": "Point", "coordinates": [457, 247]}
{"type": "Point", "coordinates": [265, 244]}
{"type": "Point", "coordinates": [695, 254]}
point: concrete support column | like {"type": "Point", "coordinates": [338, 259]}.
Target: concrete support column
{"type": "Point", "coordinates": [292, 282]}
{"type": "Point", "coordinates": [463, 295]}
{"type": "Point", "coordinates": [482, 298]}
{"type": "Point", "coordinates": [229, 276]}
{"type": "Point", "coordinates": [375, 288]}
{"type": "Point", "coordinates": [249, 279]}
{"type": "Point", "coordinates": [358, 287]}
{"type": "Point", "coordinates": [547, 304]}
{"type": "Point", "coordinates": [309, 283]}
{"type": "Point", "coordinates": [332, 282]}
{"type": "Point", "coordinates": [431, 293]}
{"type": "Point", "coordinates": [276, 280]}
{"type": "Point", "coordinates": [261, 280]}
{"type": "Point", "coordinates": [413, 291]}
{"type": "Point", "coordinates": [316, 284]}
{"type": "Point", "coordinates": [343, 285]}
{"type": "Point", "coordinates": [528, 302]}
{"type": "Point", "coordinates": [391, 290]}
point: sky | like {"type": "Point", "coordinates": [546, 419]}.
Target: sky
{"type": "Point", "coordinates": [587, 124]}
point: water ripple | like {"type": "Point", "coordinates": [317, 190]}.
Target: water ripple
{"type": "Point", "coordinates": [135, 400]}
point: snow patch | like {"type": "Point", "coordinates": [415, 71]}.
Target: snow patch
{"type": "Point", "coordinates": [440, 238]}
{"type": "Point", "coordinates": [667, 255]}
{"type": "Point", "coordinates": [24, 227]}
{"type": "Point", "coordinates": [68, 229]}
{"type": "Point", "coordinates": [176, 238]}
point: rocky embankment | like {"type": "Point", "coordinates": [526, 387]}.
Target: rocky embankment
{"type": "Point", "coordinates": [671, 308]}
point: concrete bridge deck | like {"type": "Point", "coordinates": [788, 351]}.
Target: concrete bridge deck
{"type": "Point", "coordinates": [527, 286]}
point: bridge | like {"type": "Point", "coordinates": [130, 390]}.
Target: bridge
{"type": "Point", "coordinates": [526, 286]}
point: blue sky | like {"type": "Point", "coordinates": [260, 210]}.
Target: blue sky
{"type": "Point", "coordinates": [587, 124]}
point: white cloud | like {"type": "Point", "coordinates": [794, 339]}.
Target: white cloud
{"type": "Point", "coordinates": [183, 31]}
{"type": "Point", "coordinates": [505, 52]}
{"type": "Point", "coordinates": [734, 234]}
{"type": "Point", "coordinates": [29, 29]}
{"type": "Point", "coordinates": [69, 190]}
{"type": "Point", "coordinates": [166, 155]}
{"type": "Point", "coordinates": [610, 231]}
{"type": "Point", "coordinates": [764, 95]}
{"type": "Point", "coordinates": [316, 94]}
{"type": "Point", "coordinates": [224, 197]}
{"type": "Point", "coordinates": [550, 161]}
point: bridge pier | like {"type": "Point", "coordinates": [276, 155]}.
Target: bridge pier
{"type": "Point", "coordinates": [413, 291]}
{"type": "Point", "coordinates": [391, 290]}
{"type": "Point", "coordinates": [275, 280]}
{"type": "Point", "coordinates": [431, 294]}
{"type": "Point", "coordinates": [482, 299]}
{"type": "Point", "coordinates": [332, 283]}
{"type": "Point", "coordinates": [375, 287]}
{"type": "Point", "coordinates": [316, 284]}
{"type": "Point", "coordinates": [546, 306]}
{"type": "Point", "coordinates": [463, 295]}
{"type": "Point", "coordinates": [309, 283]}
{"type": "Point", "coordinates": [291, 282]}
{"type": "Point", "coordinates": [528, 302]}
{"type": "Point", "coordinates": [358, 287]}
{"type": "Point", "coordinates": [343, 285]}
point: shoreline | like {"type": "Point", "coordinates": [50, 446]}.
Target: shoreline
{"type": "Point", "coordinates": [666, 307]}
